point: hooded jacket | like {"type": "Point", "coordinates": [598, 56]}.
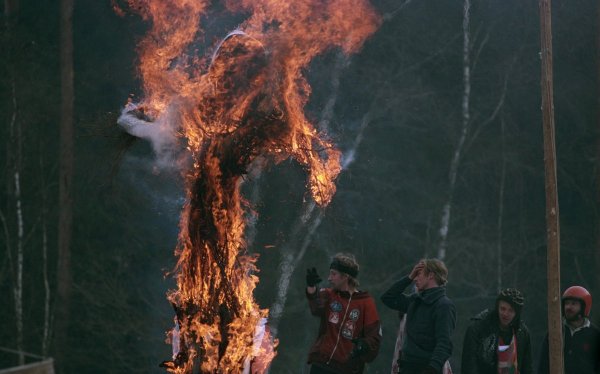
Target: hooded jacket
{"type": "Point", "coordinates": [344, 317]}
{"type": "Point", "coordinates": [430, 321]}
{"type": "Point", "coordinates": [480, 346]}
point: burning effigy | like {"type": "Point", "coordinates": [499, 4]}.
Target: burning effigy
{"type": "Point", "coordinates": [236, 108]}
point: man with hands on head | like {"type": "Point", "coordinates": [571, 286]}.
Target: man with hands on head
{"type": "Point", "coordinates": [430, 318]}
{"type": "Point", "coordinates": [349, 331]}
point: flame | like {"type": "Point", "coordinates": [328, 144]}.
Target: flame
{"type": "Point", "coordinates": [239, 106]}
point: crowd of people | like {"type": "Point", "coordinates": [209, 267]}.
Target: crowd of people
{"type": "Point", "coordinates": [497, 340]}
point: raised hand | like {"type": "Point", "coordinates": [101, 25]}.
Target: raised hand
{"type": "Point", "coordinates": [312, 277]}
{"type": "Point", "coordinates": [417, 269]}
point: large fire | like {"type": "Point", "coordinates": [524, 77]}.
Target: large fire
{"type": "Point", "coordinates": [237, 108]}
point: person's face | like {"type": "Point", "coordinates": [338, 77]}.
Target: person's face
{"type": "Point", "coordinates": [506, 313]}
{"type": "Point", "coordinates": [424, 281]}
{"type": "Point", "coordinates": [338, 281]}
{"type": "Point", "coordinates": [572, 310]}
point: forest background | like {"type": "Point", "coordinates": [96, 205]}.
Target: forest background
{"type": "Point", "coordinates": [443, 158]}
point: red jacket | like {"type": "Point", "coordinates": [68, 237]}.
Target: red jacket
{"type": "Point", "coordinates": [344, 317]}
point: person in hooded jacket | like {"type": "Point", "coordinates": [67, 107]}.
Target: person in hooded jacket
{"type": "Point", "coordinates": [581, 339]}
{"type": "Point", "coordinates": [497, 341]}
{"type": "Point", "coordinates": [430, 318]}
{"type": "Point", "coordinates": [350, 331]}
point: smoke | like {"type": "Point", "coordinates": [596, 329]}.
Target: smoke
{"type": "Point", "coordinates": [239, 109]}
{"type": "Point", "coordinates": [159, 132]}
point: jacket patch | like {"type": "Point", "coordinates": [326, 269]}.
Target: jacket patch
{"type": "Point", "coordinates": [348, 330]}
{"type": "Point", "coordinates": [334, 317]}
{"type": "Point", "coordinates": [336, 306]}
{"type": "Point", "coordinates": [354, 313]}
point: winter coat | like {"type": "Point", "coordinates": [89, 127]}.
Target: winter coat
{"type": "Point", "coordinates": [480, 346]}
{"type": "Point", "coordinates": [581, 351]}
{"type": "Point", "coordinates": [344, 317]}
{"type": "Point", "coordinates": [430, 321]}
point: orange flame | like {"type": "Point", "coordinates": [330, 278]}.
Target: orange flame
{"type": "Point", "coordinates": [242, 104]}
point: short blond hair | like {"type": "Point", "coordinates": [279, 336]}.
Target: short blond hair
{"type": "Point", "coordinates": [438, 269]}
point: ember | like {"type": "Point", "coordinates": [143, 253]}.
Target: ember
{"type": "Point", "coordinates": [238, 108]}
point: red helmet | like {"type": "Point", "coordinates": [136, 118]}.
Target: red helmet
{"type": "Point", "coordinates": [581, 294]}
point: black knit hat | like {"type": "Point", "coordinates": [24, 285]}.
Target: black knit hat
{"type": "Point", "coordinates": [512, 296]}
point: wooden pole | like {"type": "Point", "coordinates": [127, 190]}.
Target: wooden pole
{"type": "Point", "coordinates": [597, 249]}
{"type": "Point", "coordinates": [552, 222]}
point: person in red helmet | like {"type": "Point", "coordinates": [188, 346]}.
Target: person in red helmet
{"type": "Point", "coordinates": [581, 339]}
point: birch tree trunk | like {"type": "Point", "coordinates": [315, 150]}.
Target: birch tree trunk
{"type": "Point", "coordinates": [47, 294]}
{"type": "Point", "coordinates": [500, 212]}
{"type": "Point", "coordinates": [311, 217]}
{"type": "Point", "coordinates": [455, 162]}
{"type": "Point", "coordinates": [65, 176]}
{"type": "Point", "coordinates": [290, 255]}
{"type": "Point", "coordinates": [18, 287]}
{"type": "Point", "coordinates": [15, 161]}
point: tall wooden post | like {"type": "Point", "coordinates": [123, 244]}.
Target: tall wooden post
{"type": "Point", "coordinates": [552, 222]}
{"type": "Point", "coordinates": [597, 248]}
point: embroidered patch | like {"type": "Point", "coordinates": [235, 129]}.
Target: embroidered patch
{"type": "Point", "coordinates": [334, 317]}
{"type": "Point", "coordinates": [348, 330]}
{"type": "Point", "coordinates": [354, 313]}
{"type": "Point", "coordinates": [336, 306]}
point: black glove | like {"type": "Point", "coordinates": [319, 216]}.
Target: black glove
{"type": "Point", "coordinates": [429, 370]}
{"type": "Point", "coordinates": [312, 278]}
{"type": "Point", "coordinates": [360, 348]}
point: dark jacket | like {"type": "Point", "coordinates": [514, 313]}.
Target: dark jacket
{"type": "Point", "coordinates": [581, 351]}
{"type": "Point", "coordinates": [344, 318]}
{"type": "Point", "coordinates": [480, 346]}
{"type": "Point", "coordinates": [430, 321]}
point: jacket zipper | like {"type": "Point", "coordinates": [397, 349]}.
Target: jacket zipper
{"type": "Point", "coordinates": [340, 332]}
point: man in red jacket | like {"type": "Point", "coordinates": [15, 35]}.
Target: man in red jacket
{"type": "Point", "coordinates": [349, 332]}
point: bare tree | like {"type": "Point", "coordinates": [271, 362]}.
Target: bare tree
{"type": "Point", "coordinates": [47, 294]}
{"type": "Point", "coordinates": [18, 286]}
{"type": "Point", "coordinates": [455, 162]}
{"type": "Point", "coordinates": [500, 211]}
{"type": "Point", "coordinates": [311, 216]}
{"type": "Point", "coordinates": [14, 147]}
{"type": "Point", "coordinates": [65, 172]}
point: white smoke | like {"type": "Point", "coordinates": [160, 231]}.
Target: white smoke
{"type": "Point", "coordinates": [159, 132]}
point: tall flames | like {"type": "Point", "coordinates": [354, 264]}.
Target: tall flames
{"type": "Point", "coordinates": [237, 108]}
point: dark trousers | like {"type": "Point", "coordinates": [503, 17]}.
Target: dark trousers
{"type": "Point", "coordinates": [315, 369]}
{"type": "Point", "coordinates": [411, 367]}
